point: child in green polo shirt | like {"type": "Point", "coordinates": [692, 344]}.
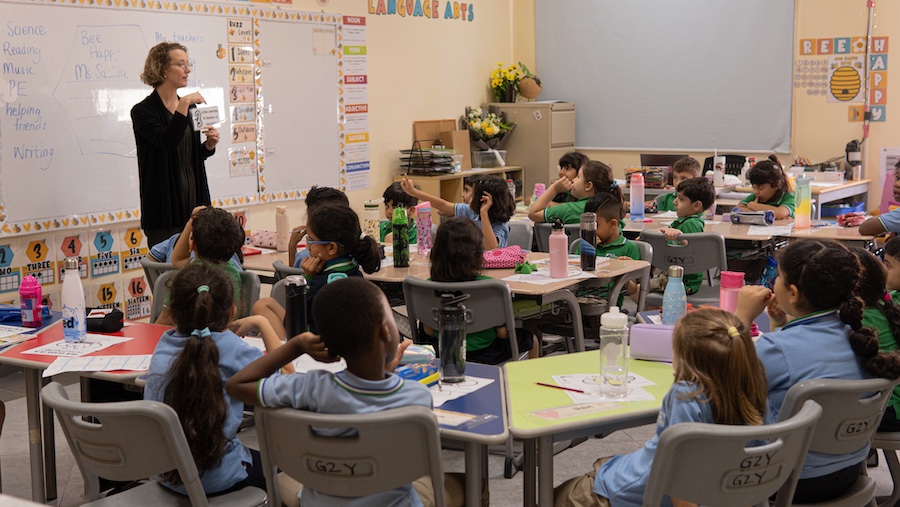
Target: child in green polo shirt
{"type": "Point", "coordinates": [593, 177]}
{"type": "Point", "coordinates": [695, 195]}
{"type": "Point", "coordinates": [683, 169]}
{"type": "Point", "coordinates": [394, 196]}
{"type": "Point", "coordinates": [770, 189]}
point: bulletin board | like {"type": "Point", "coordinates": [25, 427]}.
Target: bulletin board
{"type": "Point", "coordinates": [71, 74]}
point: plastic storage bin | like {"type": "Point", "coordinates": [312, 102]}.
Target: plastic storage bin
{"type": "Point", "coordinates": [487, 158]}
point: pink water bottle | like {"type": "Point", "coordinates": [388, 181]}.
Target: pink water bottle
{"type": "Point", "coordinates": [423, 228]}
{"type": "Point", "coordinates": [729, 286]}
{"type": "Point", "coordinates": [559, 251]}
{"type": "Point", "coordinates": [30, 295]}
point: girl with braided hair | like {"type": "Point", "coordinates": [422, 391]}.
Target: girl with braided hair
{"type": "Point", "coordinates": [825, 338]}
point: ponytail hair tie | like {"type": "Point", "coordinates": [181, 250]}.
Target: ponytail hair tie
{"type": "Point", "coordinates": [201, 333]}
{"type": "Point", "coordinates": [202, 288]}
{"type": "Point", "coordinates": [613, 185]}
{"type": "Point", "coordinates": [733, 332]}
{"type": "Point", "coordinates": [887, 298]}
{"type": "Point", "coordinates": [362, 236]}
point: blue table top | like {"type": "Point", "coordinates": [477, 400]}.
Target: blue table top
{"type": "Point", "coordinates": [487, 400]}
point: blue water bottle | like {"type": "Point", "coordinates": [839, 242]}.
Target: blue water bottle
{"type": "Point", "coordinates": [674, 297]}
{"type": "Point", "coordinates": [770, 274]}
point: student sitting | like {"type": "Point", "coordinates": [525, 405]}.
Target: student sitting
{"type": "Point", "coordinates": [337, 248]}
{"type": "Point", "coordinates": [368, 340]}
{"type": "Point", "coordinates": [592, 177]}
{"type": "Point", "coordinates": [211, 236]}
{"type": "Point", "coordinates": [491, 208]}
{"type": "Point", "coordinates": [770, 189]}
{"type": "Point", "coordinates": [569, 164]}
{"type": "Point", "coordinates": [393, 197]}
{"type": "Point", "coordinates": [718, 380]}
{"type": "Point", "coordinates": [317, 196]}
{"type": "Point", "coordinates": [187, 372]}
{"type": "Point", "coordinates": [886, 222]}
{"type": "Point", "coordinates": [458, 256]}
{"type": "Point", "coordinates": [683, 169]}
{"type": "Point", "coordinates": [818, 334]}
{"type": "Point", "coordinates": [694, 196]}
{"type": "Point", "coordinates": [162, 251]}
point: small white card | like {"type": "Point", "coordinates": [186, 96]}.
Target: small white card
{"type": "Point", "coordinates": [205, 117]}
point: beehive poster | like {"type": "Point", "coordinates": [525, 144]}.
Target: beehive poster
{"type": "Point", "coordinates": [845, 78]}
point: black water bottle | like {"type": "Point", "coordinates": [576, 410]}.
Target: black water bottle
{"type": "Point", "coordinates": [295, 318]}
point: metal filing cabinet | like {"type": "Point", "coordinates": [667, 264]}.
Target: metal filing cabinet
{"type": "Point", "coordinates": [544, 132]}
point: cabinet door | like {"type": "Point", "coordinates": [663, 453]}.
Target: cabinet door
{"type": "Point", "coordinates": [562, 130]}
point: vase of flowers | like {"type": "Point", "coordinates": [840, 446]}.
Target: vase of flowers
{"type": "Point", "coordinates": [505, 82]}
{"type": "Point", "coordinates": [487, 129]}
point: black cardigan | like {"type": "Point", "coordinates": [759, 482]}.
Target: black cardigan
{"type": "Point", "coordinates": [157, 139]}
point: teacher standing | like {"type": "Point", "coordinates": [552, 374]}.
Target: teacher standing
{"type": "Point", "coordinates": [169, 152]}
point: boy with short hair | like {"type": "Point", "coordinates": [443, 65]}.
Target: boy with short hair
{"type": "Point", "coordinates": [394, 196]}
{"type": "Point", "coordinates": [317, 196]}
{"type": "Point", "coordinates": [370, 344]}
{"type": "Point", "coordinates": [569, 164]}
{"type": "Point", "coordinates": [683, 169]}
{"type": "Point", "coordinates": [694, 196]}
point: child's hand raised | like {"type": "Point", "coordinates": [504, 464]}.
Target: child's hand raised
{"type": "Point", "coordinates": [312, 266]}
{"type": "Point", "coordinates": [487, 200]}
{"type": "Point", "coordinates": [408, 186]}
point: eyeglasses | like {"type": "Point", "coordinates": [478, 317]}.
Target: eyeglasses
{"type": "Point", "coordinates": [184, 65]}
{"type": "Point", "coordinates": [317, 242]}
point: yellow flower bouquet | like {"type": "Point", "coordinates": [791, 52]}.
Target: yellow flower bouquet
{"type": "Point", "coordinates": [505, 82]}
{"type": "Point", "coordinates": [487, 129]}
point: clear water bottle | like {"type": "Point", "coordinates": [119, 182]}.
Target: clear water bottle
{"type": "Point", "coordinates": [614, 353]}
{"type": "Point", "coordinates": [588, 241]}
{"type": "Point", "coordinates": [637, 196]}
{"type": "Point", "coordinates": [452, 319]}
{"type": "Point", "coordinates": [511, 185]}
{"type": "Point", "coordinates": [674, 297]}
{"type": "Point", "coordinates": [73, 311]}
{"type": "Point", "coordinates": [400, 231]}
{"type": "Point", "coordinates": [295, 318]}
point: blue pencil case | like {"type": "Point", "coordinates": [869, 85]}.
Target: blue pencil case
{"type": "Point", "coordinates": [12, 315]}
{"type": "Point", "coordinates": [753, 217]}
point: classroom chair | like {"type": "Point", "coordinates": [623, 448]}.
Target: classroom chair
{"type": "Point", "coordinates": [489, 300]}
{"type": "Point", "coordinates": [250, 287]}
{"type": "Point", "coordinates": [851, 413]}
{"type": "Point", "coordinates": [889, 443]}
{"type": "Point", "coordinates": [542, 234]}
{"type": "Point", "coordinates": [133, 440]}
{"type": "Point", "coordinates": [712, 464]}
{"type": "Point", "coordinates": [705, 252]}
{"type": "Point", "coordinates": [297, 442]}
{"type": "Point", "coordinates": [2, 419]}
{"type": "Point", "coordinates": [521, 232]}
{"type": "Point", "coordinates": [152, 269]}
{"type": "Point", "coordinates": [733, 164]}
{"type": "Point", "coordinates": [282, 270]}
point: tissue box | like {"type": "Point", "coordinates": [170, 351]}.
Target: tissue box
{"type": "Point", "coordinates": [487, 158]}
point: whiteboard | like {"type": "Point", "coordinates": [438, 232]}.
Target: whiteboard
{"type": "Point", "coordinates": [71, 74]}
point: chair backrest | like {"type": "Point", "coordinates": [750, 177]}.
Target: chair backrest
{"type": "Point", "coordinates": [733, 164]}
{"type": "Point", "coordinates": [109, 448]}
{"type": "Point", "coordinates": [717, 464]}
{"type": "Point", "coordinates": [703, 252]}
{"type": "Point", "coordinates": [250, 287]}
{"type": "Point", "coordinates": [282, 270]}
{"type": "Point", "coordinates": [278, 293]}
{"type": "Point", "coordinates": [521, 232]}
{"type": "Point", "coordinates": [542, 234]}
{"type": "Point", "coordinates": [152, 269]}
{"type": "Point", "coordinates": [297, 442]}
{"type": "Point", "coordinates": [851, 411]}
{"type": "Point", "coordinates": [489, 300]}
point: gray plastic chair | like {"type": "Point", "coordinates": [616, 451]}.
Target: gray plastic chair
{"type": "Point", "coordinates": [521, 232]}
{"type": "Point", "coordinates": [489, 300]}
{"type": "Point", "coordinates": [851, 413]}
{"type": "Point", "coordinates": [133, 440]}
{"type": "Point", "coordinates": [705, 252]}
{"type": "Point", "coordinates": [712, 464]}
{"type": "Point", "coordinates": [542, 234]}
{"type": "Point", "coordinates": [288, 442]}
{"type": "Point", "coordinates": [250, 287]}
{"type": "Point", "coordinates": [889, 443]}
{"type": "Point", "coordinates": [282, 270]}
{"type": "Point", "coordinates": [152, 269]}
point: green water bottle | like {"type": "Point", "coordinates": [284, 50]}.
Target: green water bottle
{"type": "Point", "coordinates": [400, 231]}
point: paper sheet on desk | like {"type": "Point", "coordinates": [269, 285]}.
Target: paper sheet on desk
{"type": "Point", "coordinates": [542, 277]}
{"type": "Point", "coordinates": [92, 343]}
{"type": "Point", "coordinates": [769, 230]}
{"type": "Point", "coordinates": [447, 392]}
{"type": "Point", "coordinates": [98, 363]}
{"type": "Point", "coordinates": [664, 215]}
{"type": "Point", "coordinates": [590, 384]}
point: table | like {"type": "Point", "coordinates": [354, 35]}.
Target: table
{"type": "Point", "coordinates": [615, 269]}
{"type": "Point", "coordinates": [524, 398]}
{"type": "Point", "coordinates": [144, 339]}
{"type": "Point", "coordinates": [487, 400]}
{"type": "Point", "coordinates": [824, 194]}
{"type": "Point", "coordinates": [262, 263]}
